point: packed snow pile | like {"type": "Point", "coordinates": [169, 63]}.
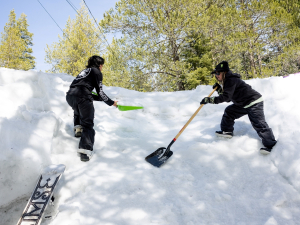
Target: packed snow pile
{"type": "Point", "coordinates": [208, 180]}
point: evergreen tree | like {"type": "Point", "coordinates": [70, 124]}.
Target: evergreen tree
{"type": "Point", "coordinates": [156, 32]}
{"type": "Point", "coordinates": [118, 71]}
{"type": "Point", "coordinates": [257, 37]}
{"type": "Point", "coordinates": [293, 53]}
{"type": "Point", "coordinates": [15, 51]}
{"type": "Point", "coordinates": [174, 45]}
{"type": "Point", "coordinates": [27, 60]}
{"type": "Point", "coordinates": [292, 7]}
{"type": "Point", "coordinates": [81, 40]}
{"type": "Point", "coordinates": [197, 54]}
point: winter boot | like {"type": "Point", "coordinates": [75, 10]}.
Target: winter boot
{"type": "Point", "coordinates": [265, 150]}
{"type": "Point", "coordinates": [77, 130]}
{"type": "Point", "coordinates": [224, 134]}
{"type": "Point", "coordinates": [85, 155]}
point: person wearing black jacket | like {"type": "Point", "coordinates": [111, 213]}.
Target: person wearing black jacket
{"type": "Point", "coordinates": [80, 98]}
{"type": "Point", "coordinates": [246, 101]}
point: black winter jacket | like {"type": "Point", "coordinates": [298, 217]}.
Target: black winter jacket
{"type": "Point", "coordinates": [85, 82]}
{"type": "Point", "coordinates": [237, 91]}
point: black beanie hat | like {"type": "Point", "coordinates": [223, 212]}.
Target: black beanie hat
{"type": "Point", "coordinates": [221, 67]}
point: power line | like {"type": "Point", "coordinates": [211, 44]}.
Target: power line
{"type": "Point", "coordinates": [99, 28]}
{"type": "Point", "coordinates": [54, 20]}
{"type": "Point", "coordinates": [72, 5]}
{"type": "Point", "coordinates": [76, 10]}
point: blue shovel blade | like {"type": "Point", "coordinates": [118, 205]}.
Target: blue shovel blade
{"type": "Point", "coordinates": [157, 158]}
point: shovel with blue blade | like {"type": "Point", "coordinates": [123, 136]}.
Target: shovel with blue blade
{"type": "Point", "coordinates": [161, 155]}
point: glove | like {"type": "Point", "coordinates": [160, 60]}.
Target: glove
{"type": "Point", "coordinates": [219, 89]}
{"type": "Point", "coordinates": [208, 100]}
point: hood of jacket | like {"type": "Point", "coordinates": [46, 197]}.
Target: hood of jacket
{"type": "Point", "coordinates": [229, 74]}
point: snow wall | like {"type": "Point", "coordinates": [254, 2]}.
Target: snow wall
{"type": "Point", "coordinates": [34, 112]}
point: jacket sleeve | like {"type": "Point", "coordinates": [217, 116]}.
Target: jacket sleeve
{"type": "Point", "coordinates": [99, 89]}
{"type": "Point", "coordinates": [103, 96]}
{"type": "Point", "coordinates": [228, 90]}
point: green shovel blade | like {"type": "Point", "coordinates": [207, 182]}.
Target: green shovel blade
{"type": "Point", "coordinates": [124, 107]}
{"type": "Point", "coordinates": [127, 108]}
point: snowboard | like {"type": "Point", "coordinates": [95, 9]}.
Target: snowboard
{"type": "Point", "coordinates": [42, 195]}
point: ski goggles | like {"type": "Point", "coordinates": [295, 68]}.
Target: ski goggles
{"type": "Point", "coordinates": [215, 74]}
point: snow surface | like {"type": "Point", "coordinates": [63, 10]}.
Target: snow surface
{"type": "Point", "coordinates": [208, 180]}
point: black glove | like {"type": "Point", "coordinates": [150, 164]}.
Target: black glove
{"type": "Point", "coordinates": [219, 89]}
{"type": "Point", "coordinates": [208, 100]}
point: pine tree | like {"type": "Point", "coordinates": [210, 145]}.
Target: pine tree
{"type": "Point", "coordinates": [117, 70]}
{"type": "Point", "coordinates": [27, 60]}
{"type": "Point", "coordinates": [197, 54]}
{"type": "Point", "coordinates": [156, 32]}
{"type": "Point", "coordinates": [15, 51]}
{"type": "Point", "coordinates": [81, 40]}
{"type": "Point", "coordinates": [291, 56]}
{"type": "Point", "coordinates": [174, 45]}
{"type": "Point", "coordinates": [292, 7]}
{"type": "Point", "coordinates": [257, 37]}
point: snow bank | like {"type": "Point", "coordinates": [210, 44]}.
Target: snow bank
{"type": "Point", "coordinates": [207, 180]}
{"type": "Point", "coordinates": [28, 122]}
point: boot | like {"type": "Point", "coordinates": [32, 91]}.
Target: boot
{"type": "Point", "coordinates": [265, 150]}
{"type": "Point", "coordinates": [85, 155]}
{"type": "Point", "coordinates": [77, 130]}
{"type": "Point", "coordinates": [224, 134]}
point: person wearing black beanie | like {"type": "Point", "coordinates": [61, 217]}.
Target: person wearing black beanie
{"type": "Point", "coordinates": [246, 101]}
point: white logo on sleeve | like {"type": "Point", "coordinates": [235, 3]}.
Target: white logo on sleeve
{"type": "Point", "coordinates": [84, 73]}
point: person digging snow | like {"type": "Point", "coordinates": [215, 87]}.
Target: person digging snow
{"type": "Point", "coordinates": [246, 101]}
{"type": "Point", "coordinates": [80, 98]}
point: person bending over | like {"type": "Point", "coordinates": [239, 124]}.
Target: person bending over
{"type": "Point", "coordinates": [80, 98]}
{"type": "Point", "coordinates": [246, 101]}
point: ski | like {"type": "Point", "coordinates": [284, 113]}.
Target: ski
{"type": "Point", "coordinates": [42, 195]}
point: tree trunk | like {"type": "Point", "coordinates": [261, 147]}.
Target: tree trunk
{"type": "Point", "coordinates": [252, 65]}
{"type": "Point", "coordinates": [259, 64]}
{"type": "Point", "coordinates": [180, 85]}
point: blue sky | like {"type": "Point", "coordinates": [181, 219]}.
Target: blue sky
{"type": "Point", "coordinates": [42, 26]}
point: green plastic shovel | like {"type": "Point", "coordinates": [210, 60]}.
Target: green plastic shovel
{"type": "Point", "coordinates": [125, 107]}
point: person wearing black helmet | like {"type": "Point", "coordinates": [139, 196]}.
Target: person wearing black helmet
{"type": "Point", "coordinates": [246, 101]}
{"type": "Point", "coordinates": [80, 98]}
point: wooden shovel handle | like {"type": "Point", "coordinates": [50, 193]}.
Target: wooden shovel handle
{"type": "Point", "coordinates": [187, 123]}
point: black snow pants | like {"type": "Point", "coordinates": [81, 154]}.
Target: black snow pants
{"type": "Point", "coordinates": [257, 119]}
{"type": "Point", "coordinates": [84, 116]}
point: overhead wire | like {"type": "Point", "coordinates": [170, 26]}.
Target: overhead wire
{"type": "Point", "coordinates": [99, 29]}
{"type": "Point", "coordinates": [53, 20]}
{"type": "Point", "coordinates": [72, 5]}
{"type": "Point", "coordinates": [76, 10]}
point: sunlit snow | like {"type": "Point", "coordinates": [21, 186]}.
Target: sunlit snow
{"type": "Point", "coordinates": [208, 180]}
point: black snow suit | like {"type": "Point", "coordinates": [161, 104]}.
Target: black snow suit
{"type": "Point", "coordinates": [80, 98]}
{"type": "Point", "coordinates": [246, 101]}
